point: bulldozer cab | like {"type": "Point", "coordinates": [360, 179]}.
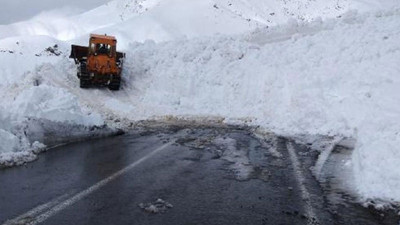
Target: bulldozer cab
{"type": "Point", "coordinates": [102, 45]}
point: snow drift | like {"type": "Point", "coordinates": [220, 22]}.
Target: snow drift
{"type": "Point", "coordinates": [311, 75]}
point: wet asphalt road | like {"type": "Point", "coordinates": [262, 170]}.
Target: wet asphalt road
{"type": "Point", "coordinates": [208, 175]}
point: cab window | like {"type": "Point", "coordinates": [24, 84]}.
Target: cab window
{"type": "Point", "coordinates": [103, 49]}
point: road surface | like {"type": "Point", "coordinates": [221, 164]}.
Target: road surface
{"type": "Point", "coordinates": [176, 175]}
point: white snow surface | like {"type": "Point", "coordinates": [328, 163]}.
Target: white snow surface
{"type": "Point", "coordinates": [309, 67]}
{"type": "Point", "coordinates": [163, 20]}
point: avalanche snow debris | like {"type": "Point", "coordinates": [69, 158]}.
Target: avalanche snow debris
{"type": "Point", "coordinates": [328, 77]}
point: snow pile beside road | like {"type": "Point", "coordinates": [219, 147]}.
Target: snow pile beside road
{"type": "Point", "coordinates": [340, 80]}
{"type": "Point", "coordinates": [34, 108]}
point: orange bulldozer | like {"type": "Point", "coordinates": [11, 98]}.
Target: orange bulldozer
{"type": "Point", "coordinates": [100, 63]}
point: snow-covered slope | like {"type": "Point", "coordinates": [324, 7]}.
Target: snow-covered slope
{"type": "Point", "coordinates": [139, 20]}
{"type": "Point", "coordinates": [308, 75]}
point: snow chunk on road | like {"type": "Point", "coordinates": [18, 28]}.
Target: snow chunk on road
{"type": "Point", "coordinates": [159, 206]}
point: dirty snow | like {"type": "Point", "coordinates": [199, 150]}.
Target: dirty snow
{"type": "Point", "coordinates": [158, 206]}
{"type": "Point", "coordinates": [310, 67]}
{"type": "Point", "coordinates": [230, 152]}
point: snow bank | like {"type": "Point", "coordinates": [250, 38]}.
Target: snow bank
{"type": "Point", "coordinates": [35, 109]}
{"type": "Point", "coordinates": [341, 80]}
